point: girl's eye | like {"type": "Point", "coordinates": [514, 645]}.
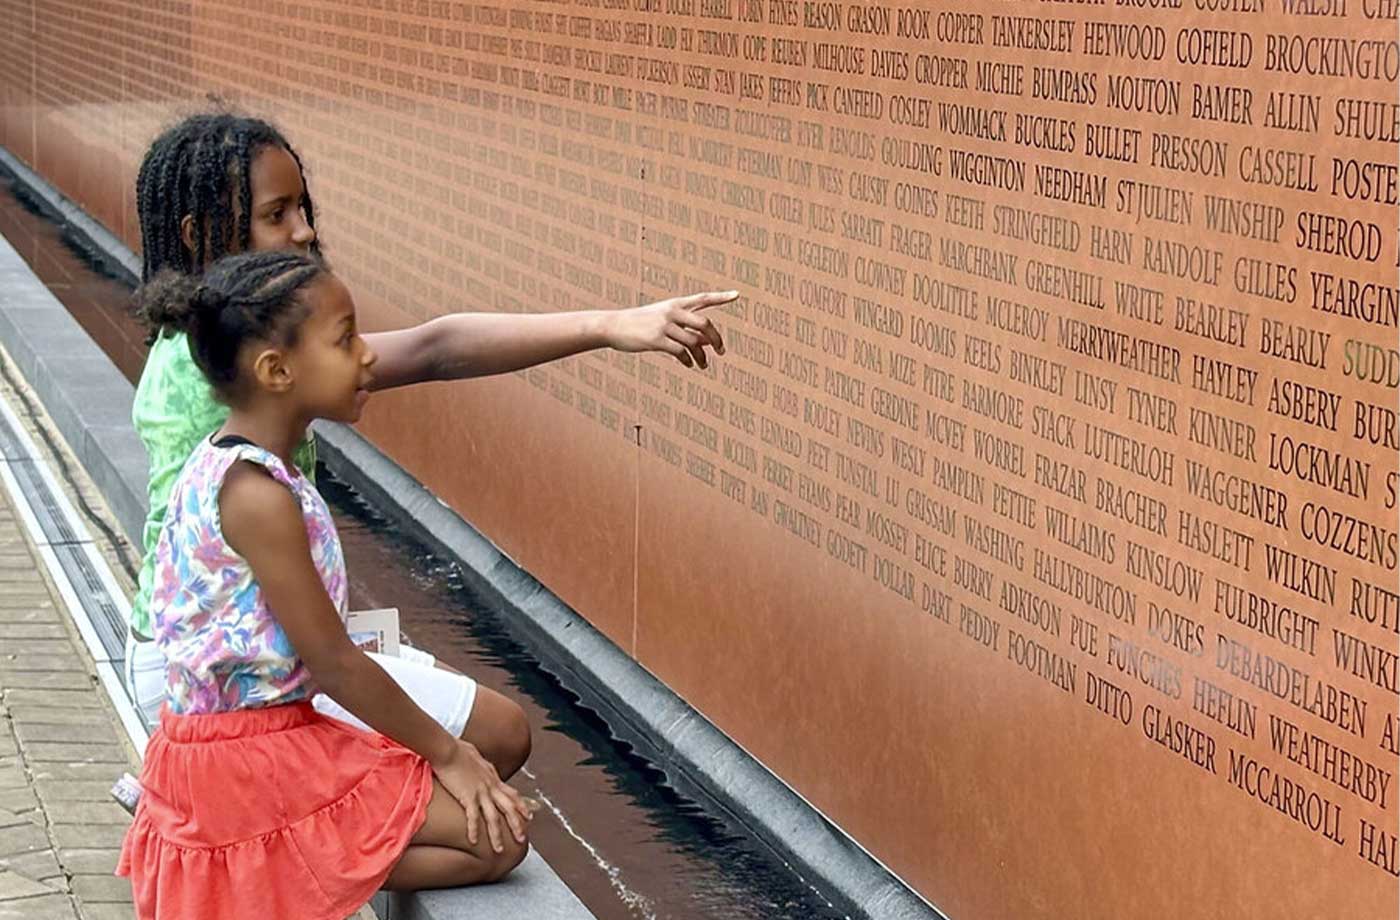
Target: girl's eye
{"type": "Point", "coordinates": [276, 216]}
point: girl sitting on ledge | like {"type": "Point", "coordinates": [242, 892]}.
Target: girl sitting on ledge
{"type": "Point", "coordinates": [255, 803]}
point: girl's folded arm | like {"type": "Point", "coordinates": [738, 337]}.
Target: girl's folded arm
{"type": "Point", "coordinates": [262, 522]}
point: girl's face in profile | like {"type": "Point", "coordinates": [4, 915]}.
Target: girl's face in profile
{"type": "Point", "coordinates": [278, 220]}
{"type": "Point", "coordinates": [330, 363]}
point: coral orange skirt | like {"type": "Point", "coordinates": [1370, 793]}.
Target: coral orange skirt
{"type": "Point", "coordinates": [269, 813]}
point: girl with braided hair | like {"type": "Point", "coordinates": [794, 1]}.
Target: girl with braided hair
{"type": "Point", "coordinates": [220, 183]}
{"type": "Point", "coordinates": [255, 803]}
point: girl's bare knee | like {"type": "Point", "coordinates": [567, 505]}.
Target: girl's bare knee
{"type": "Point", "coordinates": [517, 741]}
{"type": "Point", "coordinates": [427, 867]}
{"type": "Point", "coordinates": [500, 730]}
{"type": "Point", "coordinates": [503, 863]}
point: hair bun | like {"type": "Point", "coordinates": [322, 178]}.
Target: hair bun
{"type": "Point", "coordinates": [209, 300]}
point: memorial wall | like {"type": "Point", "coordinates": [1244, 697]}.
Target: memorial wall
{"type": "Point", "coordinates": [1039, 523]}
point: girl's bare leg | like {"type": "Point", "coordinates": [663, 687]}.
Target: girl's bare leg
{"type": "Point", "coordinates": [499, 730]}
{"type": "Point", "coordinates": [439, 855]}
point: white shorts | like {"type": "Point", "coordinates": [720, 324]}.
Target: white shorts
{"type": "Point", "coordinates": [144, 672]}
{"type": "Point", "coordinates": [446, 697]}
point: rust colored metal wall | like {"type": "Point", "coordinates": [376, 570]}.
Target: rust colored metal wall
{"type": "Point", "coordinates": [1039, 526]}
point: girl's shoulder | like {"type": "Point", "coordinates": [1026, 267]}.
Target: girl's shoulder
{"type": "Point", "coordinates": [268, 462]}
{"type": "Point", "coordinates": [210, 476]}
{"type": "Point", "coordinates": [212, 461]}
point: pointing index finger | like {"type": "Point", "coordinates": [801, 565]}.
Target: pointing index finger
{"type": "Point", "coordinates": [709, 299]}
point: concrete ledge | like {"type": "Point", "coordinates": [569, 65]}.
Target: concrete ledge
{"type": "Point", "coordinates": [86, 395]}
{"type": "Point", "coordinates": [531, 891]}
{"type": "Point", "coordinates": [697, 757]}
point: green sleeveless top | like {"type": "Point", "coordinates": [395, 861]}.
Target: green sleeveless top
{"type": "Point", "coordinates": [175, 409]}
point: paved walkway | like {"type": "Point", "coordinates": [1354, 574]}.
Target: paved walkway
{"type": "Point", "coordinates": [60, 749]}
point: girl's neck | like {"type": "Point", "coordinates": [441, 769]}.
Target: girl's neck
{"type": "Point", "coordinates": [274, 433]}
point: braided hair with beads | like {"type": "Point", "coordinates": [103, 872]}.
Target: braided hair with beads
{"type": "Point", "coordinates": [251, 296]}
{"type": "Point", "coordinates": [200, 168]}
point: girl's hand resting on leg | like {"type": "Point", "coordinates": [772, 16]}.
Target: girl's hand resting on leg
{"type": "Point", "coordinates": [473, 782]}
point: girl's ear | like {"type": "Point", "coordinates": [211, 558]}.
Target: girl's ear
{"type": "Point", "coordinates": [187, 231]}
{"type": "Point", "coordinates": [271, 370]}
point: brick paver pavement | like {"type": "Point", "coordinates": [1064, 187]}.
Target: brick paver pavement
{"type": "Point", "coordinates": [60, 749]}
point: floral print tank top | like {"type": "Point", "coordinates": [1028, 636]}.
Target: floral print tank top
{"type": "Point", "coordinates": [223, 647]}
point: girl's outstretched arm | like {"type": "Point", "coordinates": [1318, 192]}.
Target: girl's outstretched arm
{"type": "Point", "coordinates": [261, 520]}
{"type": "Point", "coordinates": [481, 344]}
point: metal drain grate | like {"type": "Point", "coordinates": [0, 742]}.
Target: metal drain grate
{"type": "Point", "coordinates": [48, 508]}
{"type": "Point", "coordinates": [78, 569]}
{"type": "Point", "coordinates": [94, 594]}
